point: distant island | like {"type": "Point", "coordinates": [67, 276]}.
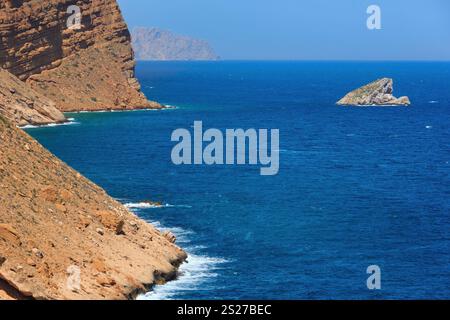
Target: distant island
{"type": "Point", "coordinates": [158, 44]}
{"type": "Point", "coordinates": [377, 93]}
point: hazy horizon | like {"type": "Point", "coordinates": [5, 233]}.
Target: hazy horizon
{"type": "Point", "coordinates": [290, 30]}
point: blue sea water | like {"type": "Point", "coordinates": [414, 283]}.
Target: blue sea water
{"type": "Point", "coordinates": [356, 187]}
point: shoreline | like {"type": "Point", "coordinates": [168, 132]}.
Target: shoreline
{"type": "Point", "coordinates": [166, 107]}
{"type": "Point", "coordinates": [159, 278]}
{"type": "Point", "coordinates": [93, 216]}
{"type": "Point", "coordinates": [100, 249]}
{"type": "Point", "coordinates": [72, 121]}
{"type": "Point", "coordinates": [160, 107]}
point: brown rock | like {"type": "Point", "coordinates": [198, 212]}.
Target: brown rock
{"type": "Point", "coordinates": [105, 280]}
{"type": "Point", "coordinates": [170, 236]}
{"type": "Point", "coordinates": [2, 260]}
{"type": "Point", "coordinates": [14, 104]}
{"type": "Point", "coordinates": [31, 262]}
{"type": "Point", "coordinates": [38, 253]}
{"type": "Point", "coordinates": [84, 221]}
{"type": "Point", "coordinates": [68, 66]}
{"type": "Point", "coordinates": [120, 228]}
{"type": "Point", "coordinates": [36, 223]}
{"type": "Point", "coordinates": [60, 207]}
{"type": "Point", "coordinates": [108, 219]}
{"type": "Point", "coordinates": [49, 194]}
{"type": "Point", "coordinates": [99, 265]}
{"type": "Point", "coordinates": [9, 234]}
{"type": "Point", "coordinates": [40, 196]}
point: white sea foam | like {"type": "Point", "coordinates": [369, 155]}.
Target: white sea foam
{"type": "Point", "coordinates": [433, 102]}
{"type": "Point", "coordinates": [146, 205]}
{"type": "Point", "coordinates": [193, 274]}
{"type": "Point", "coordinates": [183, 236]}
{"type": "Point", "coordinates": [198, 270]}
{"type": "Point", "coordinates": [142, 205]}
{"type": "Point", "coordinates": [429, 127]}
{"type": "Point", "coordinates": [167, 107]}
{"type": "Point", "coordinates": [71, 121]}
{"type": "Point", "coordinates": [170, 107]}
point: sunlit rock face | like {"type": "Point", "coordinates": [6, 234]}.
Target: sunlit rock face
{"type": "Point", "coordinates": [377, 93]}
{"type": "Point", "coordinates": [87, 68]}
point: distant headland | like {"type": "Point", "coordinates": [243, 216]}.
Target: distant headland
{"type": "Point", "coordinates": [158, 44]}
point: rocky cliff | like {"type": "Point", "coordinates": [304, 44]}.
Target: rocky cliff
{"type": "Point", "coordinates": [157, 44]}
{"type": "Point", "coordinates": [377, 93]}
{"type": "Point", "coordinates": [23, 105]}
{"type": "Point", "coordinates": [91, 68]}
{"type": "Point", "coordinates": [63, 237]}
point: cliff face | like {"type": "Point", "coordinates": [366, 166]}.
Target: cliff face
{"type": "Point", "coordinates": [23, 105]}
{"type": "Point", "coordinates": [377, 93]}
{"type": "Point", "coordinates": [87, 69]}
{"type": "Point", "coordinates": [62, 237]}
{"type": "Point", "coordinates": [157, 44]}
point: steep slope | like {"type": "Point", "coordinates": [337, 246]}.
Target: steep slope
{"type": "Point", "coordinates": [55, 225]}
{"type": "Point", "coordinates": [23, 105]}
{"type": "Point", "coordinates": [157, 44]}
{"type": "Point", "coordinates": [68, 65]}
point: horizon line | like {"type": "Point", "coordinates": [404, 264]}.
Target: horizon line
{"type": "Point", "coordinates": [298, 60]}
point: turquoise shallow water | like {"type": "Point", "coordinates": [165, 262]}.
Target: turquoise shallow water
{"type": "Point", "coordinates": [357, 186]}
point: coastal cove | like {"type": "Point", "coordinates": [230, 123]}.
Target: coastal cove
{"type": "Point", "coordinates": [356, 186]}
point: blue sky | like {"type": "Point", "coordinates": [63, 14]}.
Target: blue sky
{"type": "Point", "coordinates": [300, 29]}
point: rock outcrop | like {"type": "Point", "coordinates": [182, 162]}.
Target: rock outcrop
{"type": "Point", "coordinates": [23, 105]}
{"type": "Point", "coordinates": [157, 44]}
{"type": "Point", "coordinates": [63, 237]}
{"type": "Point", "coordinates": [91, 68]}
{"type": "Point", "coordinates": [377, 93]}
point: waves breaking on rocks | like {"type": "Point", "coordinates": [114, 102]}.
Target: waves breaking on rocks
{"type": "Point", "coordinates": [195, 272]}
{"type": "Point", "coordinates": [71, 121]}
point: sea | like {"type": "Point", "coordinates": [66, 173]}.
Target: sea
{"type": "Point", "coordinates": [357, 186]}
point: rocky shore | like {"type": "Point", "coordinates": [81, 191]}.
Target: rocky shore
{"type": "Point", "coordinates": [89, 69]}
{"type": "Point", "coordinates": [62, 236]}
{"type": "Point", "coordinates": [53, 220]}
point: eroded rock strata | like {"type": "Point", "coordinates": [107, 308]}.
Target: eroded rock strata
{"type": "Point", "coordinates": [55, 223]}
{"type": "Point", "coordinates": [87, 69]}
{"type": "Point", "coordinates": [23, 105]}
{"type": "Point", "coordinates": [377, 93]}
{"type": "Point", "coordinates": [61, 236]}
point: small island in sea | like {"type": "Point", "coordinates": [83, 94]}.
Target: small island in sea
{"type": "Point", "coordinates": [377, 93]}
